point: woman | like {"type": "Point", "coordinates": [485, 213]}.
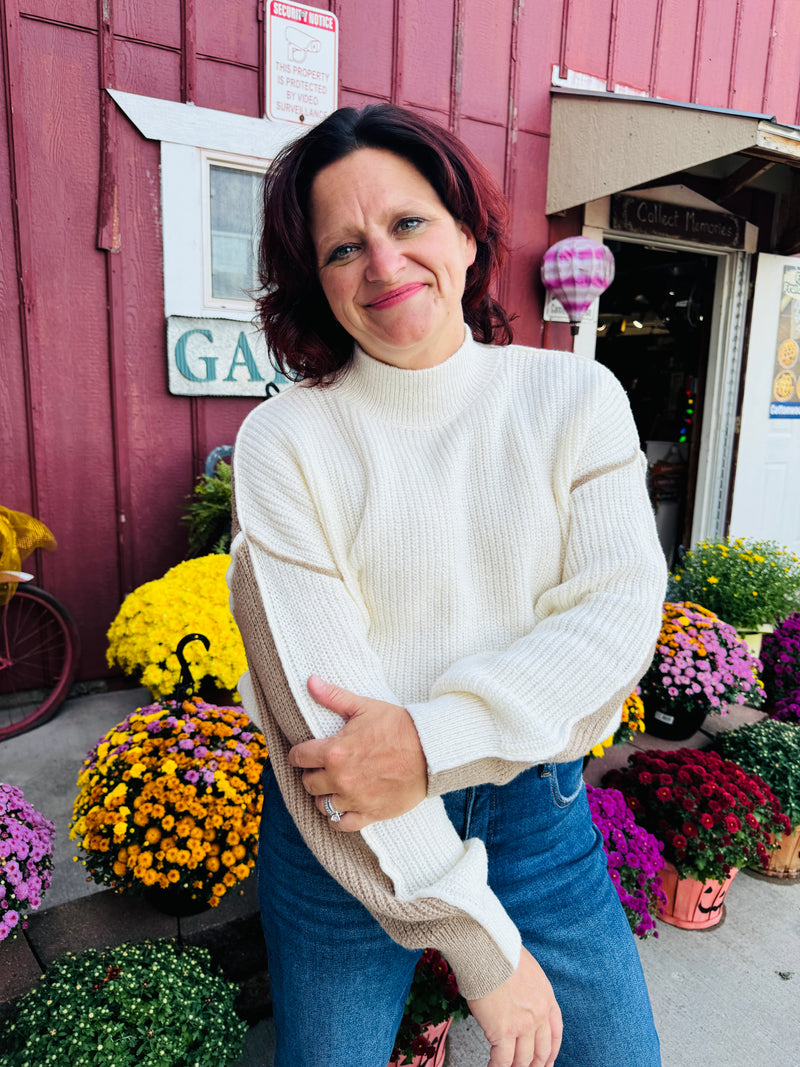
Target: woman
{"type": "Point", "coordinates": [447, 578]}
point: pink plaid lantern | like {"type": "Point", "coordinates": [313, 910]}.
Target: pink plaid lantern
{"type": "Point", "coordinates": [576, 271]}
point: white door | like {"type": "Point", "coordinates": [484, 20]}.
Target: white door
{"type": "Point", "coordinates": [766, 493]}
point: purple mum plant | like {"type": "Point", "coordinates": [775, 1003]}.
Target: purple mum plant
{"type": "Point", "coordinates": [700, 662]}
{"type": "Point", "coordinates": [634, 859]}
{"type": "Point", "coordinates": [780, 654]}
{"type": "Point", "coordinates": [26, 858]}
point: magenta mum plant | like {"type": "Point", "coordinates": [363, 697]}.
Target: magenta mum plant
{"type": "Point", "coordinates": [26, 858]}
{"type": "Point", "coordinates": [780, 654]}
{"type": "Point", "coordinates": [633, 856]}
{"type": "Point", "coordinates": [709, 813]}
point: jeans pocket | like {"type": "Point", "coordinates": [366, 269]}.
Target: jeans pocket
{"type": "Point", "coordinates": [566, 781]}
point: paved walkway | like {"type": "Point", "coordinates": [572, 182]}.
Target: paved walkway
{"type": "Point", "coordinates": [727, 996]}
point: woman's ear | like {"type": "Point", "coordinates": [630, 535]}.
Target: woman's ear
{"type": "Point", "coordinates": [470, 244]}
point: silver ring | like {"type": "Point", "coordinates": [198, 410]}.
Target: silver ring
{"type": "Point", "coordinates": [333, 814]}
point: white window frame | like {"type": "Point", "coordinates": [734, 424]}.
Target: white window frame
{"type": "Point", "coordinates": [189, 135]}
{"type": "Point", "coordinates": [229, 160]}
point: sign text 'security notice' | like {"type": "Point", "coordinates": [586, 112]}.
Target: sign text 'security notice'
{"type": "Point", "coordinates": [302, 62]}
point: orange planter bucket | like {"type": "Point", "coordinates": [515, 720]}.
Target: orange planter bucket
{"type": "Point", "coordinates": [784, 862]}
{"type": "Point", "coordinates": [693, 905]}
{"type": "Point", "coordinates": [437, 1036]}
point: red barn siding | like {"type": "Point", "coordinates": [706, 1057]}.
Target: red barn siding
{"type": "Point", "coordinates": [750, 59]}
{"type": "Point", "coordinates": [15, 458]}
{"type": "Point", "coordinates": [98, 448]}
{"type": "Point", "coordinates": [427, 43]}
{"type": "Point", "coordinates": [676, 43]}
{"type": "Point", "coordinates": [633, 33]}
{"type": "Point", "coordinates": [140, 68]}
{"type": "Point", "coordinates": [229, 31]}
{"type": "Point", "coordinates": [148, 20]}
{"type": "Point", "coordinates": [227, 88]}
{"type": "Point", "coordinates": [70, 12]}
{"type": "Point", "coordinates": [487, 47]}
{"type": "Point", "coordinates": [67, 333]}
{"type": "Point", "coordinates": [715, 48]}
{"type": "Point", "coordinates": [781, 81]}
{"type": "Point", "coordinates": [369, 65]}
{"type": "Point", "coordinates": [587, 29]}
{"type": "Point", "coordinates": [538, 50]}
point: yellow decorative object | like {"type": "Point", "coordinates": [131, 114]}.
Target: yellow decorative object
{"type": "Point", "coordinates": [20, 534]}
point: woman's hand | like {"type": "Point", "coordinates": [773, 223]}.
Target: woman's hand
{"type": "Point", "coordinates": [521, 1018]}
{"type": "Point", "coordinates": [373, 768]}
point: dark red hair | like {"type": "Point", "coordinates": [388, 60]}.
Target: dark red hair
{"type": "Point", "coordinates": [305, 339]}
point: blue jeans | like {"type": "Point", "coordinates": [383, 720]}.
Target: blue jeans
{"type": "Point", "coordinates": [339, 982]}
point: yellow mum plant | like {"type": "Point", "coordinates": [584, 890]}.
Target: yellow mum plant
{"type": "Point", "coordinates": [190, 597]}
{"type": "Point", "coordinates": [171, 798]}
{"type": "Point", "coordinates": [632, 722]}
{"type": "Point", "coordinates": [747, 583]}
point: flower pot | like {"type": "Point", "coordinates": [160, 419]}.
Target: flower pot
{"type": "Point", "coordinates": [434, 1057]}
{"type": "Point", "coordinates": [754, 638]}
{"type": "Point", "coordinates": [784, 862]}
{"type": "Point", "coordinates": [693, 905]}
{"type": "Point", "coordinates": [673, 723]}
{"type": "Point", "coordinates": [178, 902]}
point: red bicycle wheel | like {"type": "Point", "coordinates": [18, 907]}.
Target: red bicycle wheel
{"type": "Point", "coordinates": [40, 641]}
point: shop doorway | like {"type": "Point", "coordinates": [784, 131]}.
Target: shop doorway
{"type": "Point", "coordinates": [653, 332]}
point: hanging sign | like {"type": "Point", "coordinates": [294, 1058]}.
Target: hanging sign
{"type": "Point", "coordinates": [635, 214]}
{"type": "Point", "coordinates": [219, 357]}
{"type": "Point", "coordinates": [302, 62]}
{"type": "Point", "coordinates": [785, 399]}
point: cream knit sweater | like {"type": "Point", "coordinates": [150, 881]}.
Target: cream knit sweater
{"type": "Point", "coordinates": [473, 542]}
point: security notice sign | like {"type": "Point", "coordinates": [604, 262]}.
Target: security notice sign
{"type": "Point", "coordinates": [302, 62]}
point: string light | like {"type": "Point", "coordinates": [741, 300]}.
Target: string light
{"type": "Point", "coordinates": [688, 417]}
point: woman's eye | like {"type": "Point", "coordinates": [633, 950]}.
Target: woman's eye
{"type": "Point", "coordinates": [409, 225]}
{"type": "Point", "coordinates": [342, 252]}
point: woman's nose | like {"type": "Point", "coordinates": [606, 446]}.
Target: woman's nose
{"type": "Point", "coordinates": [384, 260]}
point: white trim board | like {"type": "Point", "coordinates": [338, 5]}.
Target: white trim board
{"type": "Point", "coordinates": [203, 127]}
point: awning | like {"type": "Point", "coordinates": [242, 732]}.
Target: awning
{"type": "Point", "coordinates": [602, 143]}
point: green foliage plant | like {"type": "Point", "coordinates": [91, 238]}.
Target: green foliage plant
{"type": "Point", "coordinates": [148, 1005]}
{"type": "Point", "coordinates": [208, 515]}
{"type": "Point", "coordinates": [771, 750]}
{"type": "Point", "coordinates": [747, 583]}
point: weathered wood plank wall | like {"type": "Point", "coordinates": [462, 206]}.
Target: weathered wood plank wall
{"type": "Point", "coordinates": [91, 440]}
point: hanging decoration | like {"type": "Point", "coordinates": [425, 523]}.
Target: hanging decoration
{"type": "Point", "coordinates": [576, 271]}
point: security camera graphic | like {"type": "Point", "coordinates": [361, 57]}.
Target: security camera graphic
{"type": "Point", "coordinates": [299, 44]}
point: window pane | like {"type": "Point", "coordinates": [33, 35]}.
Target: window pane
{"type": "Point", "coordinates": [234, 218]}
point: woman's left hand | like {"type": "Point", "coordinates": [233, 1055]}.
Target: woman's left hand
{"type": "Point", "coordinates": [373, 768]}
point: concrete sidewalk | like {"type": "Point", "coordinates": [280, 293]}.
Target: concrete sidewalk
{"type": "Point", "coordinates": [729, 995]}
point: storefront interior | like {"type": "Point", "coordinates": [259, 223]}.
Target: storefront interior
{"type": "Point", "coordinates": [653, 332]}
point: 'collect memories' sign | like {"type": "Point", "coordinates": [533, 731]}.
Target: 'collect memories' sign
{"type": "Point", "coordinates": [219, 357]}
{"type": "Point", "coordinates": [634, 214]}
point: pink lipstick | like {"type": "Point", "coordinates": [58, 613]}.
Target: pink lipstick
{"type": "Point", "coordinates": [396, 296]}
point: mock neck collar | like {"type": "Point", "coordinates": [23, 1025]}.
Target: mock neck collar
{"type": "Point", "coordinates": [416, 397]}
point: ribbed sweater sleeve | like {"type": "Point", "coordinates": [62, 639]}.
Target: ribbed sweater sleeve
{"type": "Point", "coordinates": [557, 690]}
